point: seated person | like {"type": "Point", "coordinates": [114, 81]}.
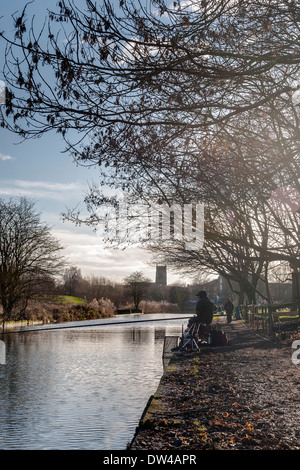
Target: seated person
{"type": "Point", "coordinates": [204, 308]}
{"type": "Point", "coordinates": [203, 317]}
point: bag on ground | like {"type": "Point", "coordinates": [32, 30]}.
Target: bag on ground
{"type": "Point", "coordinates": [219, 338]}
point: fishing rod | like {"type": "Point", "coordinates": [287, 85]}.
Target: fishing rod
{"type": "Point", "coordinates": [64, 327]}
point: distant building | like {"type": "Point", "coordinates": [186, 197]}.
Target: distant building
{"type": "Point", "coordinates": [219, 290]}
{"type": "Point", "coordinates": [161, 275]}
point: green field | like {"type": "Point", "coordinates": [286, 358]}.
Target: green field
{"type": "Point", "coordinates": [68, 299]}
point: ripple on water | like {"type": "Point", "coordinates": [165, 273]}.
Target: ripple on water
{"type": "Point", "coordinates": [84, 388]}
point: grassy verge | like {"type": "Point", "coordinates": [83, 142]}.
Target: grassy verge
{"type": "Point", "coordinates": [68, 299]}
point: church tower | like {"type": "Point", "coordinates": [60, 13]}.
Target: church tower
{"type": "Point", "coordinates": [161, 275]}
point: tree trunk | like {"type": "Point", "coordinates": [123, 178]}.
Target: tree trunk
{"type": "Point", "coordinates": [241, 297]}
{"type": "Point", "coordinates": [7, 314]}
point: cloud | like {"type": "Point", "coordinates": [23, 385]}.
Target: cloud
{"type": "Point", "coordinates": [6, 157]}
{"type": "Point", "coordinates": [83, 248]}
{"type": "Point", "coordinates": [88, 252]}
{"type": "Point", "coordinates": [40, 189]}
{"type": "Point", "coordinates": [51, 186]}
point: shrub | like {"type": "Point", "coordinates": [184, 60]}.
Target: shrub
{"type": "Point", "coordinates": [159, 307]}
{"type": "Point", "coordinates": [107, 307]}
{"type": "Point", "coordinates": [64, 312]}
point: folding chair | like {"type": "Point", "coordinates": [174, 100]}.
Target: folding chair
{"type": "Point", "coordinates": [190, 338]}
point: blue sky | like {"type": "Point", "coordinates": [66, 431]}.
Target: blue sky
{"type": "Point", "coordinates": [38, 169]}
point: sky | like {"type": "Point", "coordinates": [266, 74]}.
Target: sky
{"type": "Point", "coordinates": [38, 169]}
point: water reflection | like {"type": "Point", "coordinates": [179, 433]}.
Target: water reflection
{"type": "Point", "coordinates": [82, 388]}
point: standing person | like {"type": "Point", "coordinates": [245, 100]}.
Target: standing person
{"type": "Point", "coordinates": [204, 308]}
{"type": "Point", "coordinates": [229, 307]}
{"type": "Point", "coordinates": [237, 313]}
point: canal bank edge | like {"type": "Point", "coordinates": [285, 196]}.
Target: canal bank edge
{"type": "Point", "coordinates": [160, 407]}
{"type": "Point", "coordinates": [156, 408]}
{"type": "Point", "coordinates": [225, 398]}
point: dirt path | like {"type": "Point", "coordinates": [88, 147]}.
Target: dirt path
{"type": "Point", "coordinates": [242, 396]}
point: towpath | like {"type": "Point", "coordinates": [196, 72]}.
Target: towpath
{"type": "Point", "coordinates": [242, 396]}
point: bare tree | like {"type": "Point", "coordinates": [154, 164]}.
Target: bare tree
{"type": "Point", "coordinates": [72, 279]}
{"type": "Point", "coordinates": [29, 255]}
{"type": "Point", "coordinates": [149, 87]}
{"type": "Point", "coordinates": [137, 285]}
{"type": "Point", "coordinates": [189, 102]}
{"type": "Point", "coordinates": [137, 78]}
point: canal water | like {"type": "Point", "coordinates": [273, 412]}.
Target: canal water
{"type": "Point", "coordinates": [80, 388]}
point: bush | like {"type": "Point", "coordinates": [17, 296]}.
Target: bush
{"type": "Point", "coordinates": [91, 311]}
{"type": "Point", "coordinates": [158, 307]}
{"type": "Point", "coordinates": [107, 307]}
{"type": "Point", "coordinates": [48, 312]}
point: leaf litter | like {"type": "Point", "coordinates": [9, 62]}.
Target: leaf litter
{"type": "Point", "coordinates": [242, 396]}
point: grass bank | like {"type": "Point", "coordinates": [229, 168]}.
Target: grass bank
{"type": "Point", "coordinates": [58, 309]}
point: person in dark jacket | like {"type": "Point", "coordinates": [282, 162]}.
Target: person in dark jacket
{"type": "Point", "coordinates": [204, 308]}
{"type": "Point", "coordinates": [229, 307]}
